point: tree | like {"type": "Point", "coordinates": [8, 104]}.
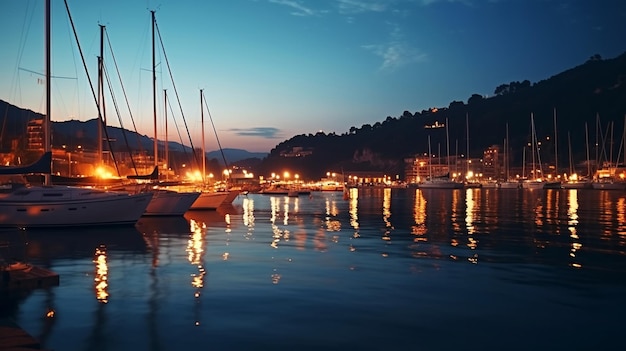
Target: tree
{"type": "Point", "coordinates": [474, 98]}
{"type": "Point", "coordinates": [502, 89]}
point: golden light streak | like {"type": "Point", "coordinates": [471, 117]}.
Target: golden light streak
{"type": "Point", "coordinates": [387, 206]}
{"type": "Point", "coordinates": [469, 212]}
{"type": "Point", "coordinates": [353, 208]}
{"type": "Point", "coordinates": [101, 275]}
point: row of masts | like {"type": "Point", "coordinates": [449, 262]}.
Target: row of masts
{"type": "Point", "coordinates": [601, 138]}
{"type": "Point", "coordinates": [102, 107]}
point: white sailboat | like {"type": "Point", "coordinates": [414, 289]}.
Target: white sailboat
{"type": "Point", "coordinates": [507, 183]}
{"type": "Point", "coordinates": [210, 199]}
{"type": "Point", "coordinates": [439, 182]}
{"type": "Point", "coordinates": [535, 181]}
{"type": "Point", "coordinates": [165, 202]}
{"type": "Point", "coordinates": [610, 180]}
{"type": "Point", "coordinates": [573, 181]}
{"type": "Point", "coordinates": [27, 206]}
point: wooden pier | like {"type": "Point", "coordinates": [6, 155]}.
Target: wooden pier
{"type": "Point", "coordinates": [18, 277]}
{"type": "Point", "coordinates": [13, 338]}
{"type": "Point", "coordinates": [28, 277]}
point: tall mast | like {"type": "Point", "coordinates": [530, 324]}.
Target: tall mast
{"type": "Point", "coordinates": [506, 153]}
{"type": "Point", "coordinates": [203, 151]}
{"type": "Point", "coordinates": [556, 153]}
{"type": "Point", "coordinates": [46, 121]}
{"type": "Point", "coordinates": [587, 143]}
{"type": "Point", "coordinates": [533, 143]}
{"type": "Point", "coordinates": [430, 167]}
{"type": "Point", "coordinates": [167, 150]}
{"type": "Point", "coordinates": [447, 148]}
{"type": "Point", "coordinates": [101, 96]}
{"type": "Point", "coordinates": [467, 150]}
{"type": "Point", "coordinates": [154, 104]}
{"type": "Point", "coordinates": [571, 159]}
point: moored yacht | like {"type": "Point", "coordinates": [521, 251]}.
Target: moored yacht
{"type": "Point", "coordinates": [65, 206]}
{"type": "Point", "coordinates": [48, 205]}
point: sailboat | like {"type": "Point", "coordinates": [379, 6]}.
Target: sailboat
{"type": "Point", "coordinates": [554, 183]}
{"type": "Point", "coordinates": [29, 206]}
{"type": "Point", "coordinates": [165, 202]}
{"type": "Point", "coordinates": [535, 182]}
{"type": "Point", "coordinates": [610, 180]}
{"type": "Point", "coordinates": [440, 182]}
{"type": "Point", "coordinates": [573, 181]}
{"type": "Point", "coordinates": [507, 183]}
{"type": "Point", "coordinates": [210, 199]}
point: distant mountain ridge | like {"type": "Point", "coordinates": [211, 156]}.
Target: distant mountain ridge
{"type": "Point", "coordinates": [75, 132]}
{"type": "Point", "coordinates": [588, 102]}
{"type": "Point", "coordinates": [591, 96]}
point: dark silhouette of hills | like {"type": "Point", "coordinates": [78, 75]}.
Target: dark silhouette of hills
{"type": "Point", "coordinates": [578, 95]}
{"type": "Point", "coordinates": [13, 122]}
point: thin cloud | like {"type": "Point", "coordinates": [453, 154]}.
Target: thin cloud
{"type": "Point", "coordinates": [396, 53]}
{"type": "Point", "coordinates": [363, 6]}
{"type": "Point", "coordinates": [360, 6]}
{"type": "Point", "coordinates": [261, 132]}
{"type": "Point", "coordinates": [299, 8]}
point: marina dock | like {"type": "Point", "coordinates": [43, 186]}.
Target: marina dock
{"type": "Point", "coordinates": [28, 277]}
{"type": "Point", "coordinates": [20, 276]}
{"type": "Point", "coordinates": [14, 338]}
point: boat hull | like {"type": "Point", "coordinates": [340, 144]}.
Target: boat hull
{"type": "Point", "coordinates": [576, 185]}
{"type": "Point", "coordinates": [608, 185]}
{"type": "Point", "coordinates": [170, 203]}
{"type": "Point", "coordinates": [533, 185]}
{"type": "Point", "coordinates": [210, 200]}
{"type": "Point", "coordinates": [61, 206]}
{"type": "Point", "coordinates": [508, 185]}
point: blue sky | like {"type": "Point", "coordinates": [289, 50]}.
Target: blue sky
{"type": "Point", "coordinates": [273, 69]}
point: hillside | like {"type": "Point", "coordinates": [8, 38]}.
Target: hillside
{"type": "Point", "coordinates": [85, 133]}
{"type": "Point", "coordinates": [579, 97]}
{"type": "Point", "coordinates": [589, 101]}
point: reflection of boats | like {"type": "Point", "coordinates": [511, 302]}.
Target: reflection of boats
{"type": "Point", "coordinates": [280, 189]}
{"type": "Point", "coordinates": [218, 218]}
{"type": "Point", "coordinates": [163, 225]}
{"type": "Point", "coordinates": [59, 243]}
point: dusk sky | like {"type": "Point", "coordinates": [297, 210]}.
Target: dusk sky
{"type": "Point", "coordinates": [273, 69]}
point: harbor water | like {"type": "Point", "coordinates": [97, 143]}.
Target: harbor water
{"type": "Point", "coordinates": [487, 269]}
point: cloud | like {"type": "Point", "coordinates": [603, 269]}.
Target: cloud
{"type": "Point", "coordinates": [360, 6]}
{"type": "Point", "coordinates": [262, 132]}
{"type": "Point", "coordinates": [299, 8]}
{"type": "Point", "coordinates": [396, 52]}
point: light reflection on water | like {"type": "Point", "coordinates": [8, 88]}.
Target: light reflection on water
{"type": "Point", "coordinates": [382, 268]}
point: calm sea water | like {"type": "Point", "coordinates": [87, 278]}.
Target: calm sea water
{"type": "Point", "coordinates": [387, 269]}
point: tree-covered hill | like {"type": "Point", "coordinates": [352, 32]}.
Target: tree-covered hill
{"type": "Point", "coordinates": [590, 97]}
{"type": "Point", "coordinates": [576, 98]}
